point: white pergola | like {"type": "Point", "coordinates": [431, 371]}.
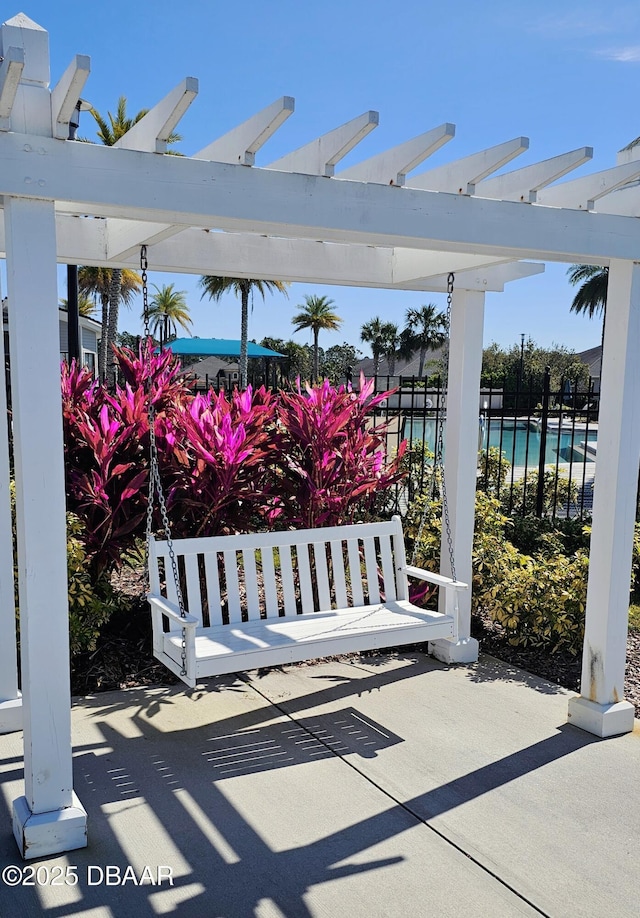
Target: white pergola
{"type": "Point", "coordinates": [297, 219]}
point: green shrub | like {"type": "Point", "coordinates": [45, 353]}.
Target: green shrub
{"type": "Point", "coordinates": [557, 491]}
{"type": "Point", "coordinates": [91, 603]}
{"type": "Point", "coordinates": [539, 599]}
{"type": "Point", "coordinates": [541, 602]}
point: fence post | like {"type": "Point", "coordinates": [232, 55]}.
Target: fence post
{"type": "Point", "coordinates": [543, 440]}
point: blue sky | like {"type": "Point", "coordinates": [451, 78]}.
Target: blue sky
{"type": "Point", "coordinates": [563, 74]}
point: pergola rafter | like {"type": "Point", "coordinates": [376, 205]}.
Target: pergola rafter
{"type": "Point", "coordinates": [299, 218]}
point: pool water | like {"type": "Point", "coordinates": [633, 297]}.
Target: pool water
{"type": "Point", "coordinates": [519, 440]}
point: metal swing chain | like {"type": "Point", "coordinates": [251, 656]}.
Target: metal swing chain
{"type": "Point", "coordinates": [438, 462]}
{"type": "Point", "coordinates": [155, 482]}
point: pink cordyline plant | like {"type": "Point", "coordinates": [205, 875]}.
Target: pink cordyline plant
{"type": "Point", "coordinates": [332, 461]}
{"type": "Point", "coordinates": [218, 449]}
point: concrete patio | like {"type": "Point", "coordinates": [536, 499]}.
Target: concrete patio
{"type": "Point", "coordinates": [391, 785]}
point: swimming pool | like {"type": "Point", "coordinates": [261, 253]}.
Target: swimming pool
{"type": "Point", "coordinates": [519, 439]}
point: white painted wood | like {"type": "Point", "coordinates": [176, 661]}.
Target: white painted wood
{"type": "Point", "coordinates": [628, 154]}
{"type": "Point", "coordinates": [461, 175]}
{"type": "Point", "coordinates": [152, 132]}
{"type": "Point", "coordinates": [489, 278]}
{"type": "Point", "coordinates": [66, 94]}
{"type": "Point", "coordinates": [289, 205]}
{"type": "Point", "coordinates": [524, 184]}
{"type": "Point", "coordinates": [584, 192]}
{"type": "Point", "coordinates": [126, 236]}
{"type": "Point", "coordinates": [40, 835]}
{"type": "Point", "coordinates": [371, 568]}
{"type": "Point", "coordinates": [321, 155]}
{"type": "Point", "coordinates": [241, 144]}
{"type": "Point", "coordinates": [624, 201]}
{"type": "Point", "coordinates": [319, 628]}
{"type": "Point", "coordinates": [388, 576]}
{"type": "Point", "coordinates": [461, 459]}
{"type": "Point", "coordinates": [10, 73]}
{"type": "Point", "coordinates": [10, 703]}
{"type": "Point", "coordinates": [614, 502]}
{"type": "Point", "coordinates": [392, 166]}
{"type": "Point", "coordinates": [31, 110]}
{"type": "Point", "coordinates": [40, 505]}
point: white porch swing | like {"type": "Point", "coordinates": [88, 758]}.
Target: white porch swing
{"type": "Point", "coordinates": [227, 604]}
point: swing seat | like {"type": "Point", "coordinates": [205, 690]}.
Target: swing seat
{"type": "Point", "coordinates": [271, 598]}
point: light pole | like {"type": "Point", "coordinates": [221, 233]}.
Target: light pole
{"type": "Point", "coordinates": [522, 357]}
{"type": "Point", "coordinates": [74, 349]}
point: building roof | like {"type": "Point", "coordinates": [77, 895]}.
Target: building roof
{"type": "Point", "coordinates": [211, 367]}
{"type": "Point", "coordinates": [593, 359]}
{"type": "Point", "coordinates": [216, 347]}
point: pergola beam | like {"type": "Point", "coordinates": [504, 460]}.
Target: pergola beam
{"type": "Point", "coordinates": [524, 184]}
{"type": "Point", "coordinates": [241, 144]}
{"type": "Point", "coordinates": [461, 176]}
{"type": "Point", "coordinates": [151, 134]}
{"type": "Point", "coordinates": [87, 179]}
{"type": "Point", "coordinates": [10, 74]}
{"type": "Point", "coordinates": [583, 192]}
{"type": "Point", "coordinates": [66, 94]}
{"type": "Point", "coordinates": [196, 251]}
{"type": "Point", "coordinates": [321, 155]}
{"type": "Point", "coordinates": [392, 166]}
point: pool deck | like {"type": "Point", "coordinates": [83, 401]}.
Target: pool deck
{"type": "Point", "coordinates": [392, 785]}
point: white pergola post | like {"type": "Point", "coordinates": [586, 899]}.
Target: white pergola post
{"type": "Point", "coordinates": [10, 699]}
{"type": "Point", "coordinates": [48, 818]}
{"type": "Point", "coordinates": [461, 461]}
{"type": "Point", "coordinates": [600, 708]}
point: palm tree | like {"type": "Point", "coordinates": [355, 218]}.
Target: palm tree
{"type": "Point", "coordinates": [97, 283]}
{"type": "Point", "coordinates": [591, 297]}
{"type": "Point", "coordinates": [86, 305]}
{"type": "Point", "coordinates": [111, 129]}
{"type": "Point", "coordinates": [168, 309]}
{"type": "Point", "coordinates": [425, 331]}
{"type": "Point", "coordinates": [374, 333]}
{"type": "Point", "coordinates": [391, 343]}
{"type": "Point", "coordinates": [215, 287]}
{"type": "Point", "coordinates": [318, 315]}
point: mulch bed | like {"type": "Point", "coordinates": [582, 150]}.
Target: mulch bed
{"type": "Point", "coordinates": [123, 657]}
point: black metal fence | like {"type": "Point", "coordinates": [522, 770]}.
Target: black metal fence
{"type": "Point", "coordinates": [536, 443]}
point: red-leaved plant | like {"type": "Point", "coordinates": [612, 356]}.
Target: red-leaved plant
{"type": "Point", "coordinates": [228, 463]}
{"type": "Point", "coordinates": [331, 459]}
{"type": "Point", "coordinates": [216, 451]}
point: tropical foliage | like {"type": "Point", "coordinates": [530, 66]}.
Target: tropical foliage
{"type": "Point", "coordinates": [591, 297]}
{"type": "Point", "coordinates": [317, 313]}
{"type": "Point", "coordinates": [243, 287]}
{"type": "Point", "coordinates": [228, 464]}
{"type": "Point", "coordinates": [167, 310]}
{"type": "Point", "coordinates": [425, 330]}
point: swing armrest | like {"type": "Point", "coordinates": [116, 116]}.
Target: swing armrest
{"type": "Point", "coordinates": [438, 579]}
{"type": "Point", "coordinates": [160, 604]}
